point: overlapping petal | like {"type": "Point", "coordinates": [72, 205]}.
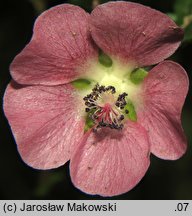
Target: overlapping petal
{"type": "Point", "coordinates": [134, 33]}
{"type": "Point", "coordinates": [164, 92]}
{"type": "Point", "coordinates": [110, 162]}
{"type": "Point", "coordinates": [45, 121]}
{"type": "Point", "coordinates": [61, 49]}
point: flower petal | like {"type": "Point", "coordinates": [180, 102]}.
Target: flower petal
{"type": "Point", "coordinates": [60, 51]}
{"type": "Point", "coordinates": [45, 123]}
{"type": "Point", "coordinates": [110, 162]}
{"type": "Point", "coordinates": [134, 33]}
{"type": "Point", "coordinates": [164, 92]}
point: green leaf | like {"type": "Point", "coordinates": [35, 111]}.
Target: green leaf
{"type": "Point", "coordinates": [39, 5]}
{"type": "Point", "coordinates": [87, 5]}
{"type": "Point", "coordinates": [81, 84]}
{"type": "Point", "coordinates": [48, 181]}
{"type": "Point", "coordinates": [173, 16]}
{"type": "Point", "coordinates": [132, 115]}
{"type": "Point", "coordinates": [182, 8]}
{"type": "Point", "coordinates": [188, 33]}
{"type": "Point", "coordinates": [105, 60]}
{"type": "Point", "coordinates": [137, 76]}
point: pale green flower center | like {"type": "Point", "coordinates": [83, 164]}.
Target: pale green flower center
{"type": "Point", "coordinates": [111, 95]}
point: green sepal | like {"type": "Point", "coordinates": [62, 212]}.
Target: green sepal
{"type": "Point", "coordinates": [81, 84]}
{"type": "Point", "coordinates": [132, 115]}
{"type": "Point", "coordinates": [105, 60]}
{"type": "Point", "coordinates": [137, 76]}
{"type": "Point", "coordinates": [89, 123]}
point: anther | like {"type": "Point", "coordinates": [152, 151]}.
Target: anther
{"type": "Point", "coordinates": [117, 104]}
{"type": "Point", "coordinates": [121, 117]}
{"type": "Point", "coordinates": [101, 89]}
{"type": "Point", "coordinates": [85, 98]}
{"type": "Point", "coordinates": [87, 109]}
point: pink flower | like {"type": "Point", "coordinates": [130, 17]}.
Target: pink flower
{"type": "Point", "coordinates": [109, 125]}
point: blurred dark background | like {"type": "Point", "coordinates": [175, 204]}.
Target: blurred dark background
{"type": "Point", "coordinates": [164, 179]}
